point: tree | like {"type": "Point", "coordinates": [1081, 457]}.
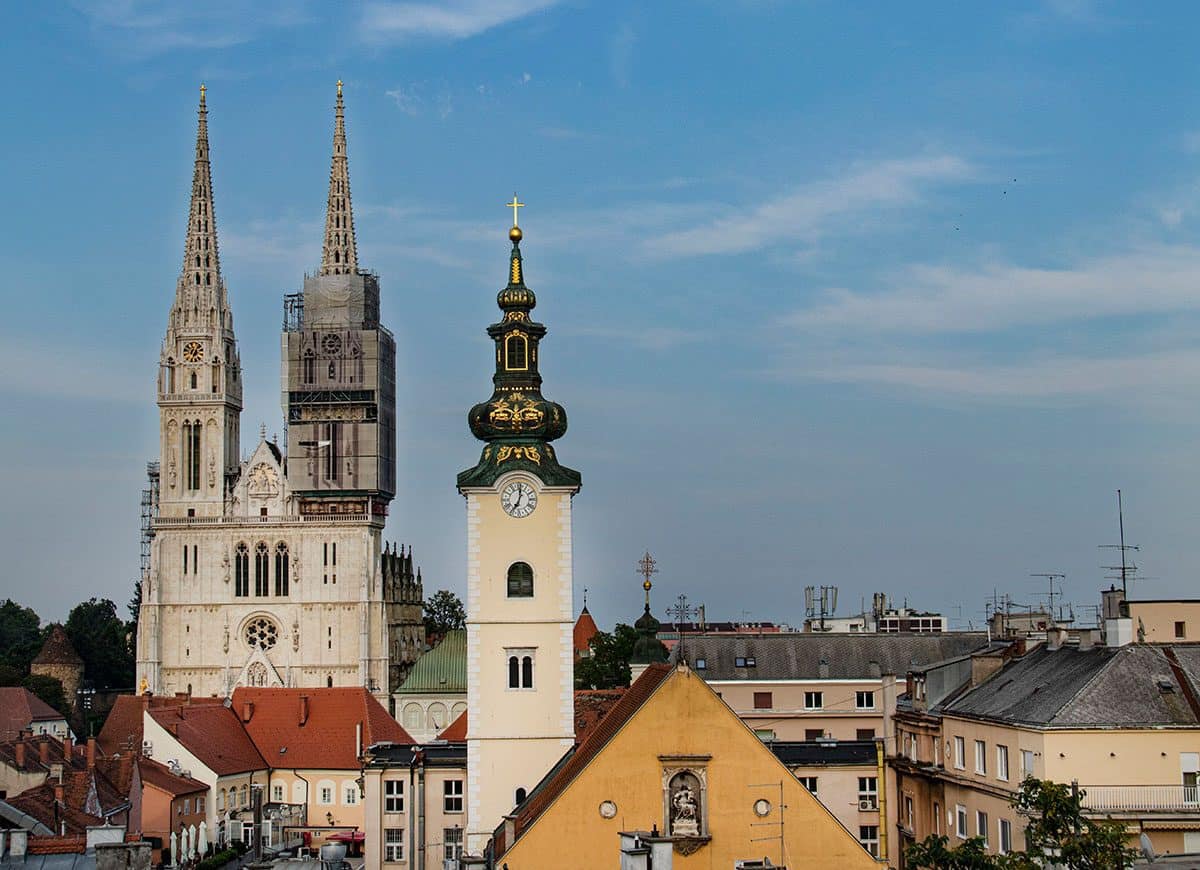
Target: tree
{"type": "Point", "coordinates": [443, 612]}
{"type": "Point", "coordinates": [135, 609]}
{"type": "Point", "coordinates": [50, 690]}
{"type": "Point", "coordinates": [20, 635]}
{"type": "Point", "coordinates": [100, 638]}
{"type": "Point", "coordinates": [608, 665]}
{"type": "Point", "coordinates": [1058, 835]}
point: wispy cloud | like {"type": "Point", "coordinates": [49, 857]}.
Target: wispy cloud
{"type": "Point", "coordinates": [146, 28]}
{"type": "Point", "coordinates": [1121, 379]}
{"type": "Point", "coordinates": [945, 299]}
{"type": "Point", "coordinates": [620, 54]}
{"type": "Point", "coordinates": [452, 19]}
{"type": "Point", "coordinates": [810, 211]}
{"type": "Point", "coordinates": [653, 338]}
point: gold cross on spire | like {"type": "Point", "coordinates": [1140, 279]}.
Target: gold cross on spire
{"type": "Point", "coordinates": [514, 205]}
{"type": "Point", "coordinates": [339, 87]}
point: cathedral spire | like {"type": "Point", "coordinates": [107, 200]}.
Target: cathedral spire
{"type": "Point", "coordinates": [339, 256]}
{"type": "Point", "coordinates": [201, 261]}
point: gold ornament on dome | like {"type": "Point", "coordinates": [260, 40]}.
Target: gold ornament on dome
{"type": "Point", "coordinates": [505, 453]}
{"type": "Point", "coordinates": [511, 413]}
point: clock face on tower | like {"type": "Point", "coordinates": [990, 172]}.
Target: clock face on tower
{"type": "Point", "coordinates": [518, 499]}
{"type": "Point", "coordinates": [193, 352]}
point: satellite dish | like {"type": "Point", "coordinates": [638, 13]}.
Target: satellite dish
{"type": "Point", "coordinates": [1147, 847]}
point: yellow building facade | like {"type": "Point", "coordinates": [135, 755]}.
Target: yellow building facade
{"type": "Point", "coordinates": [671, 736]}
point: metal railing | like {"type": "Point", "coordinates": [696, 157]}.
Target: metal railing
{"type": "Point", "coordinates": [293, 520]}
{"type": "Point", "coordinates": [1141, 798]}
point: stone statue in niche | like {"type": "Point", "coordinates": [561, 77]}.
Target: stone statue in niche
{"type": "Point", "coordinates": [296, 635]}
{"type": "Point", "coordinates": [225, 566]}
{"type": "Point", "coordinates": [685, 805]}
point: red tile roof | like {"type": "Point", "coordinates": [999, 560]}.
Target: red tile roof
{"type": "Point", "coordinates": [122, 731]}
{"type": "Point", "coordinates": [591, 706]}
{"type": "Point", "coordinates": [58, 845]}
{"type": "Point", "coordinates": [40, 803]}
{"type": "Point", "coordinates": [214, 734]}
{"type": "Point", "coordinates": [576, 760]}
{"type": "Point", "coordinates": [19, 707]}
{"type": "Point", "coordinates": [456, 731]}
{"type": "Point", "coordinates": [323, 737]}
{"type": "Point", "coordinates": [585, 630]}
{"type": "Point", "coordinates": [159, 776]}
{"type": "Point", "coordinates": [55, 753]}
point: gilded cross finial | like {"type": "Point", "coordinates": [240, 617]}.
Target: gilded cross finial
{"type": "Point", "coordinates": [203, 90]}
{"type": "Point", "coordinates": [339, 87]}
{"type": "Point", "coordinates": [647, 567]}
{"type": "Point", "coordinates": [514, 205]}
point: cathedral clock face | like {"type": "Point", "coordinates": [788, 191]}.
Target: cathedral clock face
{"type": "Point", "coordinates": [518, 499]}
{"type": "Point", "coordinates": [193, 352]}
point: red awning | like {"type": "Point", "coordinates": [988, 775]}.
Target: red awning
{"type": "Point", "coordinates": [348, 837]}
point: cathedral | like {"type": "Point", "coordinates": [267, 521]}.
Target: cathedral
{"type": "Point", "coordinates": [272, 570]}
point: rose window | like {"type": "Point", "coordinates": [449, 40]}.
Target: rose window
{"type": "Point", "coordinates": [262, 633]}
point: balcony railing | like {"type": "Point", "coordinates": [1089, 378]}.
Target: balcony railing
{"type": "Point", "coordinates": [1141, 798]}
{"type": "Point", "coordinates": [291, 520]}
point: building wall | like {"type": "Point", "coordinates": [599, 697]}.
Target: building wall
{"type": "Point", "coordinates": [425, 716]}
{"type": "Point", "coordinates": [683, 719]}
{"type": "Point", "coordinates": [424, 809]}
{"type": "Point", "coordinates": [839, 718]}
{"type": "Point", "coordinates": [837, 790]}
{"type": "Point", "coordinates": [516, 735]}
{"type": "Point", "coordinates": [305, 788]}
{"type": "Point", "coordinates": [1158, 618]}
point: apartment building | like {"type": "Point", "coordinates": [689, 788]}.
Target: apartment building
{"type": "Point", "coordinates": [1123, 723]}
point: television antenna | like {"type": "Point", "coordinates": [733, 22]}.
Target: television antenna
{"type": "Point", "coordinates": [820, 601]}
{"type": "Point", "coordinates": [1050, 577]}
{"type": "Point", "coordinates": [1127, 568]}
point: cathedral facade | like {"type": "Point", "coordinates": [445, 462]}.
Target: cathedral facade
{"type": "Point", "coordinates": [272, 571]}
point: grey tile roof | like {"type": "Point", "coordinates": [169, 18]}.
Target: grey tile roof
{"type": "Point", "coordinates": [799, 655]}
{"type": "Point", "coordinates": [1127, 687]}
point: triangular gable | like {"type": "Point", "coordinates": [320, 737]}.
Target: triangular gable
{"type": "Point", "coordinates": [618, 779]}
{"type": "Point", "coordinates": [258, 671]}
{"type": "Point", "coordinates": [262, 483]}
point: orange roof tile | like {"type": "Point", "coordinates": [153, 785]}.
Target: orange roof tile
{"type": "Point", "coordinates": [122, 731]}
{"type": "Point", "coordinates": [159, 776]}
{"type": "Point", "coordinates": [585, 630]}
{"type": "Point", "coordinates": [214, 734]}
{"type": "Point", "coordinates": [456, 731]}
{"type": "Point", "coordinates": [19, 708]}
{"type": "Point", "coordinates": [591, 706]}
{"type": "Point", "coordinates": [325, 736]}
{"type": "Point", "coordinates": [57, 845]}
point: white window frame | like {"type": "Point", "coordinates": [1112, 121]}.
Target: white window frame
{"type": "Point", "coordinates": [960, 821]}
{"type": "Point", "coordinates": [871, 844]}
{"type": "Point", "coordinates": [393, 795]}
{"type": "Point", "coordinates": [1001, 762]}
{"type": "Point", "coordinates": [325, 795]}
{"type": "Point", "coordinates": [452, 790]}
{"type": "Point", "coordinates": [864, 695]}
{"type": "Point", "coordinates": [393, 845]}
{"type": "Point", "coordinates": [452, 849]}
{"type": "Point", "coordinates": [809, 782]}
{"type": "Point", "coordinates": [868, 790]}
{"type": "Point", "coordinates": [1027, 763]}
{"type": "Point", "coordinates": [350, 795]}
{"type": "Point", "coordinates": [1003, 836]}
{"type": "Point", "coordinates": [814, 700]}
{"type": "Point", "coordinates": [521, 653]}
{"type": "Point", "coordinates": [277, 792]}
{"type": "Point", "coordinates": [981, 757]}
{"type": "Point", "coordinates": [960, 753]}
{"type": "Point", "coordinates": [981, 826]}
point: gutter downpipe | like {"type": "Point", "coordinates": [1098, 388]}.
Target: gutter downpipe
{"type": "Point", "coordinates": [421, 815]}
{"type": "Point", "coordinates": [412, 795]}
{"type": "Point", "coordinates": [883, 829]}
{"type": "Point", "coordinates": [307, 795]}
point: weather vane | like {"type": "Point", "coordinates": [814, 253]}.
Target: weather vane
{"type": "Point", "coordinates": [514, 205]}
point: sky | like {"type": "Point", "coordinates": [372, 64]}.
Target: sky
{"type": "Point", "coordinates": [891, 297]}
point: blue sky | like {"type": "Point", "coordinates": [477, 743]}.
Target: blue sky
{"type": "Point", "coordinates": [887, 296]}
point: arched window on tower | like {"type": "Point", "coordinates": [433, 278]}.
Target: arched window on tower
{"type": "Point", "coordinates": [262, 564]}
{"type": "Point", "coordinates": [191, 454]}
{"type": "Point", "coordinates": [216, 377]}
{"type": "Point", "coordinates": [281, 570]}
{"type": "Point", "coordinates": [516, 351]}
{"type": "Point", "coordinates": [169, 376]}
{"type": "Point", "coordinates": [514, 672]}
{"type": "Point", "coordinates": [520, 580]}
{"type": "Point", "coordinates": [527, 672]}
{"type": "Point", "coordinates": [309, 367]}
{"type": "Point", "coordinates": [193, 381]}
{"type": "Point", "coordinates": [241, 571]}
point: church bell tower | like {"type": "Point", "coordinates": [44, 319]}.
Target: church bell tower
{"type": "Point", "coordinates": [520, 699]}
{"type": "Point", "coordinates": [200, 378]}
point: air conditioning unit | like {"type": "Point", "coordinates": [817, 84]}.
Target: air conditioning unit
{"type": "Point", "coordinates": [867, 806]}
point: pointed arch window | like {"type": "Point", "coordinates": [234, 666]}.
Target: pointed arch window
{"type": "Point", "coordinates": [169, 376]}
{"type": "Point", "coordinates": [520, 580]}
{"type": "Point", "coordinates": [281, 570]}
{"type": "Point", "coordinates": [516, 352]}
{"type": "Point", "coordinates": [191, 454]}
{"type": "Point", "coordinates": [216, 377]}
{"type": "Point", "coordinates": [262, 564]}
{"type": "Point", "coordinates": [309, 367]}
{"type": "Point", "coordinates": [193, 380]}
{"type": "Point", "coordinates": [241, 571]}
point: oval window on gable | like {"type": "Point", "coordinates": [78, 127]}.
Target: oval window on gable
{"type": "Point", "coordinates": [520, 580]}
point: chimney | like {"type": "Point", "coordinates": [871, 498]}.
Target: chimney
{"type": "Point", "coordinates": [58, 792]}
{"type": "Point", "coordinates": [44, 751]}
{"type": "Point", "coordinates": [91, 752]}
{"type": "Point", "coordinates": [20, 843]}
{"type": "Point", "coordinates": [68, 747]}
{"type": "Point", "coordinates": [19, 748]}
{"type": "Point", "coordinates": [1087, 639]}
{"type": "Point", "coordinates": [247, 710]}
{"type": "Point", "coordinates": [1055, 638]}
{"type": "Point", "coordinates": [303, 709]}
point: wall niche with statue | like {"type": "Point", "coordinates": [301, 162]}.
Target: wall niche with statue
{"type": "Point", "coordinates": [685, 801]}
